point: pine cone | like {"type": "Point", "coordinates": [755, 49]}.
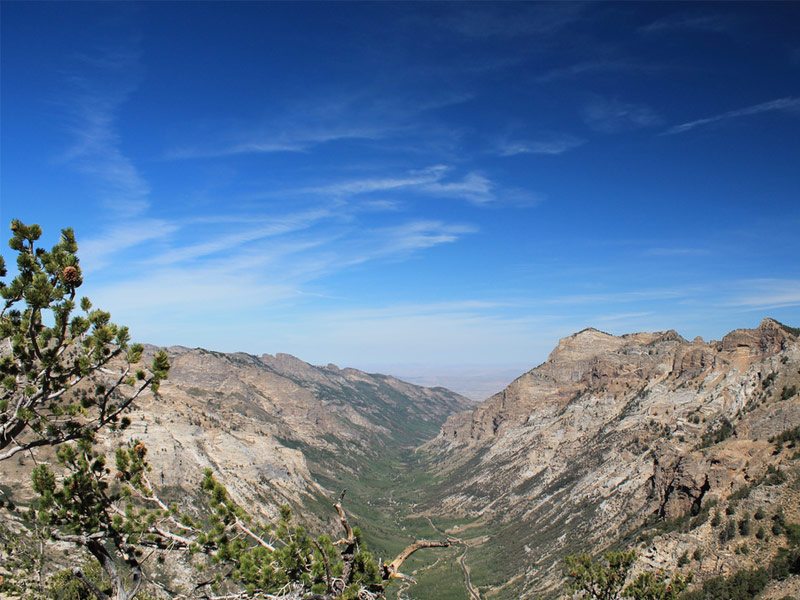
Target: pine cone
{"type": "Point", "coordinates": [71, 274]}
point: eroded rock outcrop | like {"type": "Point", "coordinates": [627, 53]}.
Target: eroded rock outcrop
{"type": "Point", "coordinates": [612, 433]}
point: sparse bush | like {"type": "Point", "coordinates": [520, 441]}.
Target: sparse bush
{"type": "Point", "coordinates": [793, 533]}
{"type": "Point", "coordinates": [606, 581]}
{"type": "Point", "coordinates": [742, 585]}
{"type": "Point", "coordinates": [792, 436]}
{"type": "Point", "coordinates": [729, 532]}
{"type": "Point", "coordinates": [744, 525]}
{"type": "Point", "coordinates": [716, 520]}
{"type": "Point", "coordinates": [716, 434]}
{"type": "Point", "coordinates": [768, 380]}
{"type": "Point", "coordinates": [785, 563]}
{"type": "Point", "coordinates": [778, 523]}
{"type": "Point", "coordinates": [774, 476]}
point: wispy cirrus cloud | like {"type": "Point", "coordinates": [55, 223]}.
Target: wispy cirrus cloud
{"type": "Point", "coordinates": [756, 294]}
{"type": "Point", "coordinates": [474, 187]}
{"type": "Point", "coordinates": [228, 243]}
{"type": "Point", "coordinates": [368, 185]}
{"type": "Point", "coordinates": [101, 250]}
{"type": "Point", "coordinates": [289, 139]}
{"type": "Point", "coordinates": [433, 181]}
{"type": "Point", "coordinates": [595, 66]}
{"type": "Point", "coordinates": [553, 145]}
{"type": "Point", "coordinates": [264, 258]}
{"type": "Point", "coordinates": [789, 104]}
{"type": "Point", "coordinates": [677, 251]}
{"type": "Point", "coordinates": [364, 116]}
{"type": "Point", "coordinates": [510, 20]}
{"type": "Point", "coordinates": [689, 22]}
{"type": "Point", "coordinates": [98, 84]}
{"type": "Point", "coordinates": [400, 240]}
{"type": "Point", "coordinates": [614, 116]}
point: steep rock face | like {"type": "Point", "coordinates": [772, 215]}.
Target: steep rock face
{"type": "Point", "coordinates": [270, 426]}
{"type": "Point", "coordinates": [611, 432]}
{"type": "Point", "coordinates": [274, 429]}
{"type": "Point", "coordinates": [259, 420]}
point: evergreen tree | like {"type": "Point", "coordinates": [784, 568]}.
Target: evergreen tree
{"type": "Point", "coordinates": [68, 379]}
{"type": "Point", "coordinates": [64, 380]}
{"type": "Point", "coordinates": [593, 580]}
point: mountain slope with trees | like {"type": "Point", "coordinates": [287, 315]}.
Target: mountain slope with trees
{"type": "Point", "coordinates": [633, 441]}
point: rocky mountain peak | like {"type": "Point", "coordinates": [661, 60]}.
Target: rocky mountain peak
{"type": "Point", "coordinates": [584, 344]}
{"type": "Point", "coordinates": [768, 337]}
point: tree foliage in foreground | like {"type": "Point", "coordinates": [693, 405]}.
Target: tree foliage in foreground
{"type": "Point", "coordinates": [67, 381]}
{"type": "Point", "coordinates": [64, 375]}
{"type": "Point", "coordinates": [606, 580]}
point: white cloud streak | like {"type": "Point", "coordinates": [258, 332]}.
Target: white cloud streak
{"type": "Point", "coordinates": [100, 85]}
{"type": "Point", "coordinates": [553, 145]}
{"type": "Point", "coordinates": [614, 116]}
{"type": "Point", "coordinates": [98, 252]}
{"type": "Point", "coordinates": [766, 293]}
{"type": "Point", "coordinates": [781, 104]}
{"type": "Point", "coordinates": [400, 240]}
{"type": "Point", "coordinates": [681, 22]}
{"type": "Point", "coordinates": [473, 187]}
{"type": "Point", "coordinates": [310, 123]}
{"type": "Point", "coordinates": [676, 252]}
{"type": "Point", "coordinates": [299, 139]}
{"type": "Point", "coordinates": [368, 185]}
{"type": "Point", "coordinates": [243, 268]}
{"type": "Point", "coordinates": [228, 242]}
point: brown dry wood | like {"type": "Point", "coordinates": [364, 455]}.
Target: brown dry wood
{"type": "Point", "coordinates": [392, 569]}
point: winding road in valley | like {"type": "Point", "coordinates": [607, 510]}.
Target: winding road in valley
{"type": "Point", "coordinates": [461, 561]}
{"type": "Point", "coordinates": [474, 594]}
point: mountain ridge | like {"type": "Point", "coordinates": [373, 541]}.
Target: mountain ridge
{"type": "Point", "coordinates": [614, 441]}
{"type": "Point", "coordinates": [611, 432]}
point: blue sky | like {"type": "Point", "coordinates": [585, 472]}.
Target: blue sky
{"type": "Point", "coordinates": [411, 187]}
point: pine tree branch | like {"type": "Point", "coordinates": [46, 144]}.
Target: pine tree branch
{"type": "Point", "coordinates": [328, 581]}
{"type": "Point", "coordinates": [99, 594]}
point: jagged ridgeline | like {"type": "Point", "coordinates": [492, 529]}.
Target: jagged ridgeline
{"type": "Point", "coordinates": [642, 441]}
{"type": "Point", "coordinates": [686, 451]}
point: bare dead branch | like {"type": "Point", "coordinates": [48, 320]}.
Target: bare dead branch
{"type": "Point", "coordinates": [392, 570]}
{"type": "Point", "coordinates": [348, 531]}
